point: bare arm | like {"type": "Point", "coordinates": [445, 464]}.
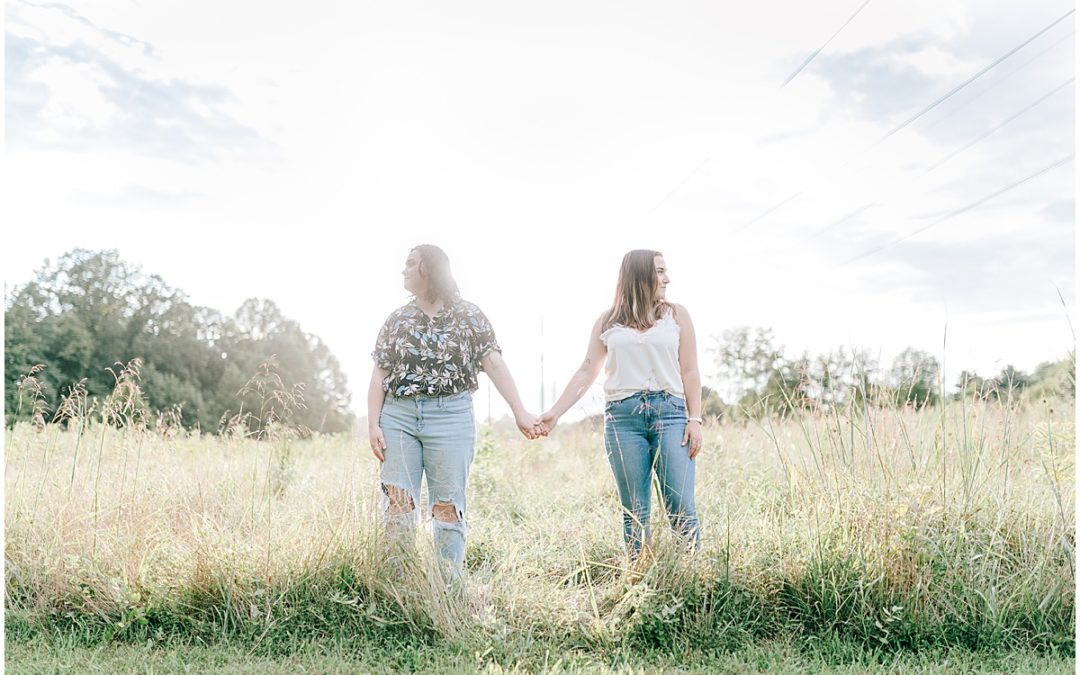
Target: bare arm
{"type": "Point", "coordinates": [582, 378]}
{"type": "Point", "coordinates": [496, 369]}
{"type": "Point", "coordinates": [691, 378]}
{"type": "Point", "coordinates": [376, 397]}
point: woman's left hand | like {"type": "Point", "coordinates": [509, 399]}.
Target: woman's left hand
{"type": "Point", "coordinates": [527, 423]}
{"type": "Point", "coordinates": [692, 435]}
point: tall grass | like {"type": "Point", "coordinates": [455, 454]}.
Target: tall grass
{"type": "Point", "coordinates": [896, 529]}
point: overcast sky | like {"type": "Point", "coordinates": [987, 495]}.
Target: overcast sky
{"type": "Point", "coordinates": [296, 153]}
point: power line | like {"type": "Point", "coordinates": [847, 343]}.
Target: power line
{"type": "Point", "coordinates": [1062, 298]}
{"type": "Point", "coordinates": [769, 210]}
{"type": "Point", "coordinates": [978, 74]}
{"type": "Point", "coordinates": [1018, 69]}
{"type": "Point", "coordinates": [833, 224]}
{"type": "Point", "coordinates": [542, 407]}
{"type": "Point", "coordinates": [819, 49]}
{"type": "Point", "coordinates": [932, 167]}
{"type": "Point", "coordinates": [790, 198]}
{"type": "Point", "coordinates": [954, 153]}
{"type": "Point", "coordinates": [998, 82]}
{"type": "Point", "coordinates": [681, 183]}
{"type": "Point", "coordinates": [790, 77]}
{"type": "Point", "coordinates": [959, 211]}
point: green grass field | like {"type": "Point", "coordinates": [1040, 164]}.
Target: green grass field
{"type": "Point", "coordinates": [932, 541]}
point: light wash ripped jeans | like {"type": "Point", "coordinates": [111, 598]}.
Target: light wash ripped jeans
{"type": "Point", "coordinates": [642, 434]}
{"type": "Point", "coordinates": [432, 436]}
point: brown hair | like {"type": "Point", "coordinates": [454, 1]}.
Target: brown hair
{"type": "Point", "coordinates": [435, 267]}
{"type": "Point", "coordinates": [636, 305]}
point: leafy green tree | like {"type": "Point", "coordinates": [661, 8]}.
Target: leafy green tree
{"type": "Point", "coordinates": [1050, 379]}
{"type": "Point", "coordinates": [76, 318]}
{"type": "Point", "coordinates": [712, 406]}
{"type": "Point", "coordinates": [260, 331]}
{"type": "Point", "coordinates": [746, 360]}
{"type": "Point", "coordinates": [1010, 383]}
{"type": "Point", "coordinates": [914, 378]}
{"type": "Point", "coordinates": [971, 386]}
{"type": "Point", "coordinates": [841, 376]}
{"type": "Point", "coordinates": [1053, 379]}
{"type": "Point", "coordinates": [787, 389]}
{"type": "Point", "coordinates": [829, 375]}
{"type": "Point", "coordinates": [90, 310]}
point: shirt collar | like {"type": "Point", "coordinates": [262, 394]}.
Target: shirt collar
{"type": "Point", "coordinates": [448, 305]}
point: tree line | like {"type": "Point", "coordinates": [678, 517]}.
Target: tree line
{"type": "Point", "coordinates": [762, 380]}
{"type": "Point", "coordinates": [90, 316]}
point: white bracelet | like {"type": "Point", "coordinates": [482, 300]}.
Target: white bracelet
{"type": "Point", "coordinates": [694, 419]}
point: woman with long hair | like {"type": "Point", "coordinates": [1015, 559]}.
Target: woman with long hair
{"type": "Point", "coordinates": [652, 416]}
{"type": "Point", "coordinates": [420, 411]}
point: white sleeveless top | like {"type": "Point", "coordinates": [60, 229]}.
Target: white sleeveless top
{"type": "Point", "coordinates": [638, 361]}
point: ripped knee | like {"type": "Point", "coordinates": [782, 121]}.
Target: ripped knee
{"type": "Point", "coordinates": [445, 512]}
{"type": "Point", "coordinates": [399, 500]}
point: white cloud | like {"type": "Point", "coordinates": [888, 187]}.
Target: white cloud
{"type": "Point", "coordinates": [934, 62]}
{"type": "Point", "coordinates": [534, 144]}
{"type": "Point", "coordinates": [75, 102]}
{"type": "Point", "coordinates": [63, 26]}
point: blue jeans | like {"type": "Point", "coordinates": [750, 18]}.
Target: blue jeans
{"type": "Point", "coordinates": [432, 436]}
{"type": "Point", "coordinates": [642, 434]}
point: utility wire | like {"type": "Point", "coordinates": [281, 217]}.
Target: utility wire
{"type": "Point", "coordinates": [766, 212]}
{"type": "Point", "coordinates": [1062, 298]}
{"type": "Point", "coordinates": [818, 233]}
{"type": "Point", "coordinates": [1021, 67]}
{"type": "Point", "coordinates": [792, 197]}
{"type": "Point", "coordinates": [1042, 98]}
{"type": "Point", "coordinates": [818, 50]}
{"type": "Point", "coordinates": [957, 212]}
{"type": "Point", "coordinates": [998, 82]}
{"type": "Point", "coordinates": [978, 74]}
{"type": "Point", "coordinates": [681, 184]}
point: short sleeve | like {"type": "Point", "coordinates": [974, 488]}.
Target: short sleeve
{"type": "Point", "coordinates": [483, 336]}
{"type": "Point", "coordinates": [383, 346]}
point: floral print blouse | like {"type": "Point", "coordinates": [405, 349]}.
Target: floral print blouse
{"type": "Point", "coordinates": [436, 356]}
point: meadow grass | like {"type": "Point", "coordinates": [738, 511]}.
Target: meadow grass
{"type": "Point", "coordinates": [62, 656]}
{"type": "Point", "coordinates": [876, 536]}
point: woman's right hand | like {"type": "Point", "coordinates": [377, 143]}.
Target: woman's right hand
{"type": "Point", "coordinates": [546, 422]}
{"type": "Point", "coordinates": [378, 443]}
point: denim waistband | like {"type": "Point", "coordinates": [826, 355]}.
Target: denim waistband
{"type": "Point", "coordinates": [649, 393]}
{"type": "Point", "coordinates": [419, 397]}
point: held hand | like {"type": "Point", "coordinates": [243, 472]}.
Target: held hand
{"type": "Point", "coordinates": [526, 424]}
{"type": "Point", "coordinates": [692, 435]}
{"type": "Point", "coordinates": [546, 422]}
{"type": "Point", "coordinates": [378, 443]}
